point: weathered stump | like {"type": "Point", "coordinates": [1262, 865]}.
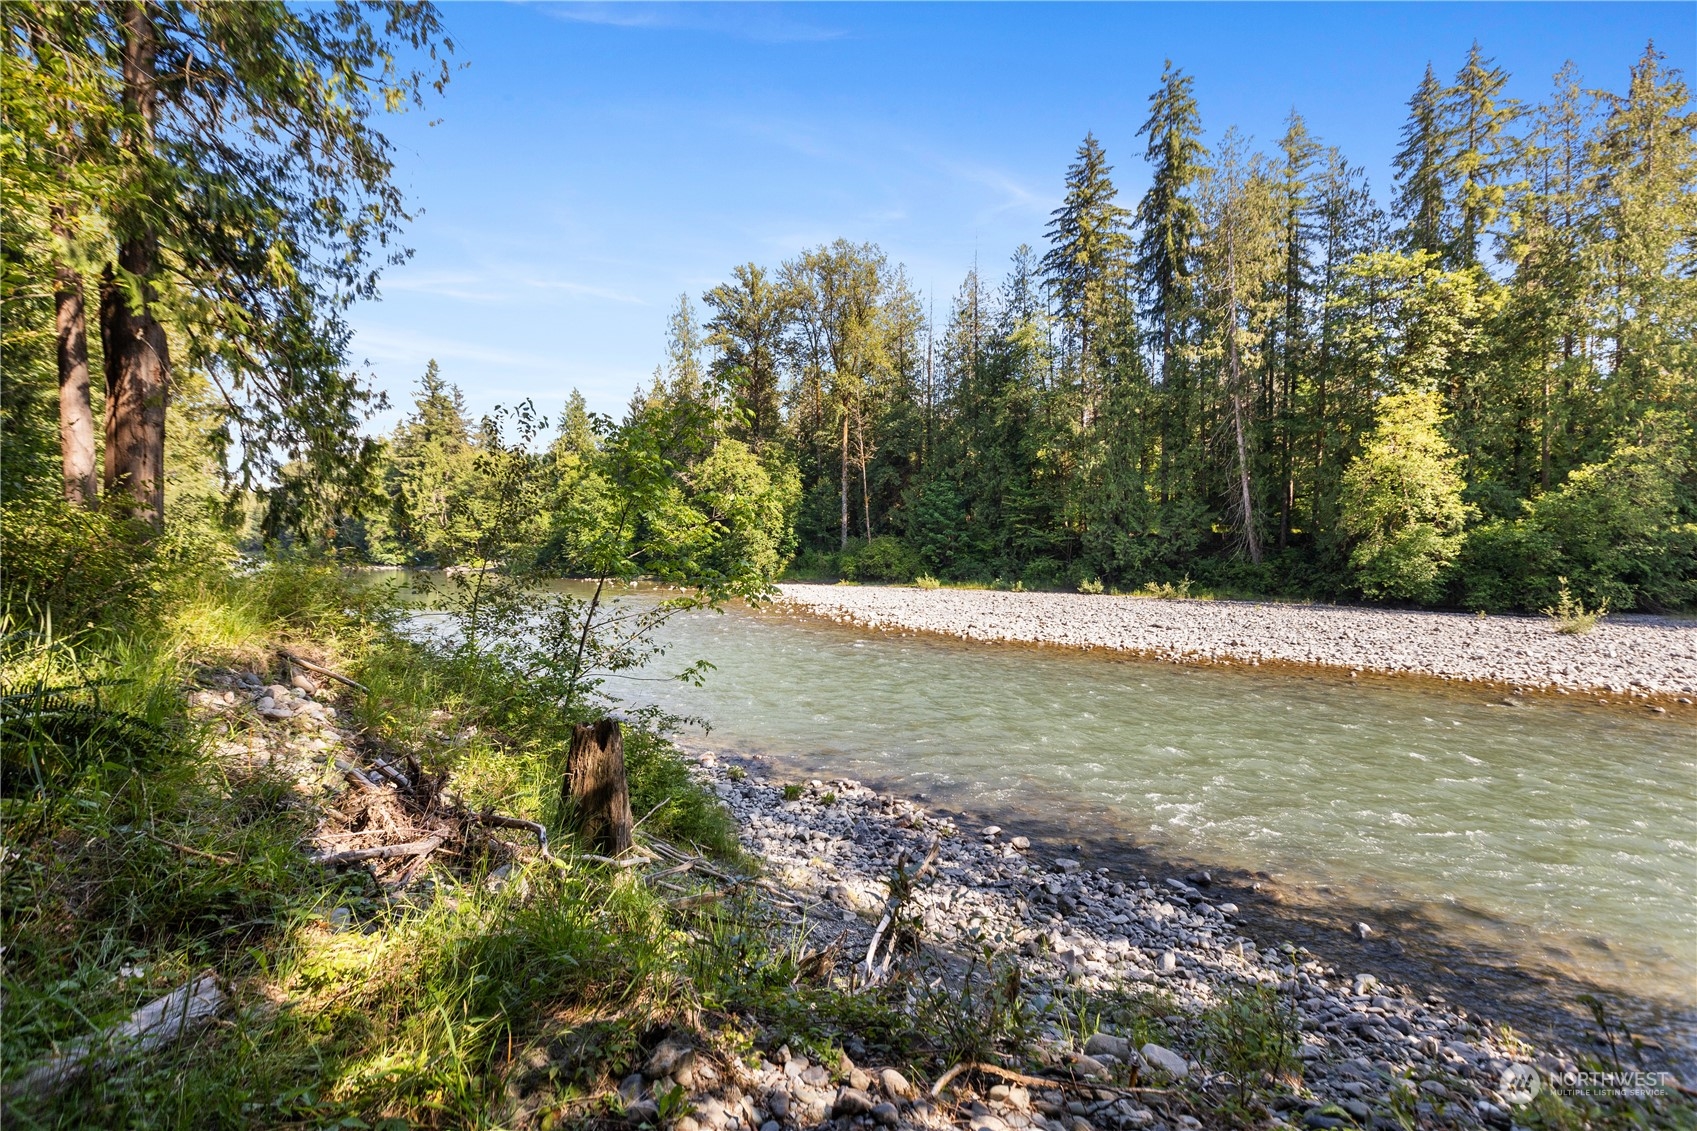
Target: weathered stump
{"type": "Point", "coordinates": [595, 793]}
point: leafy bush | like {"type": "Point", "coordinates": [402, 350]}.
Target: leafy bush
{"type": "Point", "coordinates": [926, 581]}
{"type": "Point", "coordinates": [1402, 504]}
{"type": "Point", "coordinates": [1621, 532]}
{"type": "Point", "coordinates": [885, 558]}
{"type": "Point", "coordinates": [69, 559]}
{"type": "Point", "coordinates": [1252, 1035]}
{"type": "Point", "coordinates": [1570, 614]}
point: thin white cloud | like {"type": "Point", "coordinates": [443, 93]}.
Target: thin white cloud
{"type": "Point", "coordinates": [497, 284]}
{"type": "Point", "coordinates": [385, 344]}
{"type": "Point", "coordinates": [759, 23]}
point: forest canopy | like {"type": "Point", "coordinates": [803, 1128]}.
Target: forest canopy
{"type": "Point", "coordinates": [1473, 390]}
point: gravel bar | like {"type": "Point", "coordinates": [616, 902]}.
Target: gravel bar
{"type": "Point", "coordinates": [1640, 656]}
{"type": "Point", "coordinates": [1366, 1047]}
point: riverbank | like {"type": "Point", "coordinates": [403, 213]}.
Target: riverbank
{"type": "Point", "coordinates": [1647, 658]}
{"type": "Point", "coordinates": [1127, 972]}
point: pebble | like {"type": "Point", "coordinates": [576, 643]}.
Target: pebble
{"type": "Point", "coordinates": [851, 1102]}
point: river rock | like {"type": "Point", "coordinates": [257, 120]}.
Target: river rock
{"type": "Point", "coordinates": [1100, 1043]}
{"type": "Point", "coordinates": [852, 1102]}
{"type": "Point", "coordinates": [1165, 1059]}
{"type": "Point", "coordinates": [669, 1056]}
{"type": "Point", "coordinates": [895, 1084]}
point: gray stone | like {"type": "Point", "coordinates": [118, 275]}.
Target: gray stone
{"type": "Point", "coordinates": [1317, 1120]}
{"type": "Point", "coordinates": [630, 1088]}
{"type": "Point", "coordinates": [1062, 864]}
{"type": "Point", "coordinates": [851, 1102]}
{"type": "Point", "coordinates": [1433, 1088]}
{"type": "Point", "coordinates": [1100, 1043]}
{"type": "Point", "coordinates": [669, 1056]}
{"type": "Point", "coordinates": [1021, 843]}
{"type": "Point", "coordinates": [1089, 1066]}
{"type": "Point", "coordinates": [885, 1115]}
{"type": "Point", "coordinates": [895, 1084]}
{"type": "Point", "coordinates": [643, 1111]}
{"type": "Point", "coordinates": [1356, 1108]}
{"type": "Point", "coordinates": [771, 1125]}
{"type": "Point", "coordinates": [1165, 1059]}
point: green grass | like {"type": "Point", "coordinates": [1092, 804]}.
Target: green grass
{"type": "Point", "coordinates": [135, 859]}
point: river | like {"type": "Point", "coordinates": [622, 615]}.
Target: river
{"type": "Point", "coordinates": [1549, 841]}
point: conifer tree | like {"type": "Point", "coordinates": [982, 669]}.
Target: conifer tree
{"type": "Point", "coordinates": [1085, 264]}
{"type": "Point", "coordinates": [1647, 161]}
{"type": "Point", "coordinates": [1168, 223]}
{"type": "Point", "coordinates": [1419, 168]}
{"type": "Point", "coordinates": [1478, 150]}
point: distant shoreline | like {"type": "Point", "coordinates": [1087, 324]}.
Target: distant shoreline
{"type": "Point", "coordinates": [1647, 659]}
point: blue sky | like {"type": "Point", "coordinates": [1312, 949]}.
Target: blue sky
{"type": "Point", "coordinates": [593, 161]}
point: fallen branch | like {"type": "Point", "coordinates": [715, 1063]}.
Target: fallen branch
{"type": "Point", "coordinates": [1053, 1082]}
{"type": "Point", "coordinates": [388, 851]}
{"type": "Point", "coordinates": [496, 820]}
{"type": "Point", "coordinates": [157, 1023]}
{"type": "Point", "coordinates": [312, 667]}
{"type": "Point", "coordinates": [357, 774]}
{"type": "Point", "coordinates": [226, 861]}
{"type": "Point", "coordinates": [695, 900]}
{"type": "Point", "coordinates": [944, 1080]}
{"type": "Point", "coordinates": [901, 890]}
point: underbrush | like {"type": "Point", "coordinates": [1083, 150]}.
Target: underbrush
{"type": "Point", "coordinates": [134, 858]}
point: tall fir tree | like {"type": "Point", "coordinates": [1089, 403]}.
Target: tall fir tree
{"type": "Point", "coordinates": [1167, 223]}
{"type": "Point", "coordinates": [1419, 165]}
{"type": "Point", "coordinates": [1479, 150]}
{"type": "Point", "coordinates": [1086, 264]}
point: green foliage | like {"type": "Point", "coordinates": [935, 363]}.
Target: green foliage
{"type": "Point", "coordinates": [1402, 506]}
{"type": "Point", "coordinates": [885, 558]}
{"type": "Point", "coordinates": [1570, 614]}
{"type": "Point", "coordinates": [1252, 1035]}
{"type": "Point", "coordinates": [1621, 532]}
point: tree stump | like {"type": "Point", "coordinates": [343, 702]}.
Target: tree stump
{"type": "Point", "coordinates": [595, 794]}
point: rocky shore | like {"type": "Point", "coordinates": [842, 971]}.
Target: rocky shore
{"type": "Point", "coordinates": [1372, 1055]}
{"type": "Point", "coordinates": [1638, 657]}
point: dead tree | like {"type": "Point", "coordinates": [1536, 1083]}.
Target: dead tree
{"type": "Point", "coordinates": [595, 795]}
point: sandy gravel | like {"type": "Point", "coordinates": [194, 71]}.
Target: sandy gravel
{"type": "Point", "coordinates": [1644, 656]}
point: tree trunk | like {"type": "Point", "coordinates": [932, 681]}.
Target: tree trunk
{"type": "Point", "coordinates": [843, 543]}
{"type": "Point", "coordinates": [76, 414]}
{"type": "Point", "coordinates": [138, 367]}
{"type": "Point", "coordinates": [595, 794]}
{"type": "Point", "coordinates": [138, 361]}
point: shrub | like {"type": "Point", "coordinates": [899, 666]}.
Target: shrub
{"type": "Point", "coordinates": [1402, 504]}
{"type": "Point", "coordinates": [1622, 532]}
{"type": "Point", "coordinates": [1251, 1035]}
{"type": "Point", "coordinates": [1570, 614]}
{"type": "Point", "coordinates": [926, 581]}
{"type": "Point", "coordinates": [885, 558]}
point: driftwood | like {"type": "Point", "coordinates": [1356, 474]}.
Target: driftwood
{"type": "Point", "coordinates": [157, 1023]}
{"type": "Point", "coordinates": [323, 671]}
{"type": "Point", "coordinates": [1029, 1081]}
{"type": "Point", "coordinates": [412, 848]}
{"type": "Point", "coordinates": [901, 890]}
{"type": "Point", "coordinates": [496, 820]}
{"type": "Point", "coordinates": [595, 791]}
